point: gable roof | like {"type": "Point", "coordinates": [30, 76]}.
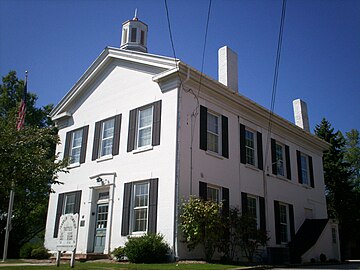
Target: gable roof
{"type": "Point", "coordinates": [106, 56]}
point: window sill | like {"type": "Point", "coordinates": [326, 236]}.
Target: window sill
{"type": "Point", "coordinates": [214, 154]}
{"type": "Point", "coordinates": [103, 158]}
{"type": "Point", "coordinates": [143, 149]}
{"type": "Point", "coordinates": [137, 234]}
{"type": "Point", "coordinates": [74, 165]}
{"type": "Point", "coordinates": [252, 167]}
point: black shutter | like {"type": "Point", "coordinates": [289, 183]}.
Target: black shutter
{"type": "Point", "coordinates": [277, 222]}
{"type": "Point", "coordinates": [203, 190]}
{"type": "Point", "coordinates": [156, 123]}
{"type": "Point", "coordinates": [262, 214]}
{"type": "Point", "coordinates": [116, 138]}
{"type": "Point", "coordinates": [260, 151]}
{"type": "Point", "coordinates": [153, 201]}
{"type": "Point", "coordinates": [242, 144]}
{"type": "Point", "coordinates": [225, 136]}
{"type": "Point", "coordinates": [95, 153]}
{"type": "Point", "coordinates": [203, 128]}
{"type": "Point", "coordinates": [125, 224]}
{"type": "Point", "coordinates": [132, 130]}
{"type": "Point", "coordinates": [292, 222]}
{"type": "Point", "coordinates": [77, 202]}
{"type": "Point", "coordinates": [59, 210]}
{"type": "Point", "coordinates": [287, 160]}
{"type": "Point", "coordinates": [244, 203]}
{"type": "Point", "coordinates": [67, 144]}
{"type": "Point", "coordinates": [273, 157]}
{"type": "Point", "coordinates": [84, 144]}
{"type": "Point", "coordinates": [298, 157]}
{"type": "Point", "coordinates": [225, 201]}
{"type": "Point", "coordinates": [311, 171]}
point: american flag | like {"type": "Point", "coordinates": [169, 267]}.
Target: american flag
{"type": "Point", "coordinates": [22, 109]}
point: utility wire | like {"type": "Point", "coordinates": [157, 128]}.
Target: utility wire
{"type": "Point", "coordinates": [276, 76]}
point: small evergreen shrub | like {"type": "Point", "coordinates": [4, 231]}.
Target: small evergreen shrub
{"type": "Point", "coordinates": [40, 253]}
{"type": "Point", "coordinates": [25, 250]}
{"type": "Point", "coordinates": [150, 248]}
{"type": "Point", "coordinates": [118, 253]}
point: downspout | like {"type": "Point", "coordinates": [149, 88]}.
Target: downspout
{"type": "Point", "coordinates": [177, 165]}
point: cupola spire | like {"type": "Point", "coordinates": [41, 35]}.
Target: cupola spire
{"type": "Point", "coordinates": [134, 35]}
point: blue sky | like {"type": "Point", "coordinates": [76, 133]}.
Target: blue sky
{"type": "Point", "coordinates": [57, 40]}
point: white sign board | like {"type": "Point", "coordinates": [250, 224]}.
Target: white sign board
{"type": "Point", "coordinates": [67, 235]}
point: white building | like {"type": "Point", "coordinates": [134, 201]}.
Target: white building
{"type": "Point", "coordinates": [141, 136]}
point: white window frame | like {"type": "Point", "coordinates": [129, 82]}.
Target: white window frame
{"type": "Point", "coordinates": [217, 193]}
{"type": "Point", "coordinates": [213, 133]}
{"type": "Point", "coordinates": [257, 209]}
{"type": "Point", "coordinates": [280, 162]}
{"type": "Point", "coordinates": [249, 149]}
{"type": "Point", "coordinates": [305, 169]}
{"type": "Point", "coordinates": [138, 128]}
{"type": "Point", "coordinates": [66, 203]}
{"type": "Point", "coordinates": [76, 147]}
{"type": "Point", "coordinates": [134, 208]}
{"type": "Point", "coordinates": [287, 223]}
{"type": "Point", "coordinates": [102, 139]}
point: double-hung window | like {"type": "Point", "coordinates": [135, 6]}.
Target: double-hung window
{"type": "Point", "coordinates": [68, 203]}
{"type": "Point", "coordinates": [107, 135]}
{"type": "Point", "coordinates": [213, 194]}
{"type": "Point", "coordinates": [75, 145]}
{"type": "Point", "coordinates": [280, 159]}
{"type": "Point", "coordinates": [144, 127]}
{"type": "Point", "coordinates": [250, 147]}
{"type": "Point", "coordinates": [213, 132]}
{"type": "Point", "coordinates": [214, 135]}
{"type": "Point", "coordinates": [254, 206]}
{"type": "Point", "coordinates": [77, 137]}
{"type": "Point", "coordinates": [144, 132]}
{"type": "Point", "coordinates": [284, 222]}
{"type": "Point", "coordinates": [140, 208]}
{"type": "Point", "coordinates": [305, 169]}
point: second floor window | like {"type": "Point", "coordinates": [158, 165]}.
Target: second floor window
{"type": "Point", "coordinates": [75, 145]}
{"type": "Point", "coordinates": [280, 159]}
{"type": "Point", "coordinates": [213, 132]}
{"type": "Point", "coordinates": [107, 136]}
{"type": "Point", "coordinates": [305, 169]}
{"type": "Point", "coordinates": [145, 121]}
{"type": "Point", "coordinates": [250, 147]}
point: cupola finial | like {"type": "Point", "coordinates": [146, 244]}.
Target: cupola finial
{"type": "Point", "coordinates": [135, 15]}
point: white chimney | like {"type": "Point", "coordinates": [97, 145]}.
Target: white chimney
{"type": "Point", "coordinates": [228, 67]}
{"type": "Point", "coordinates": [301, 114]}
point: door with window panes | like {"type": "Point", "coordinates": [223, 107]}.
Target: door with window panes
{"type": "Point", "coordinates": [102, 209]}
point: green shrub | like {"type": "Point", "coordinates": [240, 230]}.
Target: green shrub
{"type": "Point", "coordinates": [40, 253]}
{"type": "Point", "coordinates": [150, 248]}
{"type": "Point", "coordinates": [25, 250]}
{"type": "Point", "coordinates": [118, 253]}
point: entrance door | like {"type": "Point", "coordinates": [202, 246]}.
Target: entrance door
{"type": "Point", "coordinates": [100, 227]}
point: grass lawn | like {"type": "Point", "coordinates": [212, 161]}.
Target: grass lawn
{"type": "Point", "coordinates": [109, 266]}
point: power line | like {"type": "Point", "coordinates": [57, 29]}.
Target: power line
{"type": "Point", "coordinates": [276, 76]}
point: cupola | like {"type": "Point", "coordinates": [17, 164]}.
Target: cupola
{"type": "Point", "coordinates": [134, 35]}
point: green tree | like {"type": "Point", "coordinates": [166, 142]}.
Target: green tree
{"type": "Point", "coordinates": [352, 156]}
{"type": "Point", "coordinates": [340, 195]}
{"type": "Point", "coordinates": [27, 163]}
{"type": "Point", "coordinates": [201, 224]}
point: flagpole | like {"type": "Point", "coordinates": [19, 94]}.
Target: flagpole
{"type": "Point", "coordinates": [12, 192]}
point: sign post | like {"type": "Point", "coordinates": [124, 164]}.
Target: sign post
{"type": "Point", "coordinates": [67, 239]}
